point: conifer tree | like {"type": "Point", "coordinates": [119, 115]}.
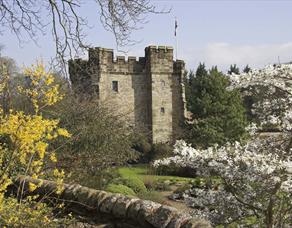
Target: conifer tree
{"type": "Point", "coordinates": [233, 69]}
{"type": "Point", "coordinates": [246, 69]}
{"type": "Point", "coordinates": [218, 115]}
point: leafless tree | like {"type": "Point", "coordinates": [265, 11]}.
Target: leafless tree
{"type": "Point", "coordinates": [34, 17]}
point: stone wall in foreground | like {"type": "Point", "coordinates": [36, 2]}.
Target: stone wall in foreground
{"type": "Point", "coordinates": [121, 210]}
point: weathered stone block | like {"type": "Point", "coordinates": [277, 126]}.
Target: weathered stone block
{"type": "Point", "coordinates": [178, 221]}
{"type": "Point", "coordinates": [88, 197]}
{"type": "Point", "coordinates": [147, 210]}
{"type": "Point", "coordinates": [162, 216]}
{"type": "Point", "coordinates": [197, 223]}
{"type": "Point", "coordinates": [134, 209]}
{"type": "Point", "coordinates": [102, 195]}
{"type": "Point", "coordinates": [108, 203]}
{"type": "Point", "coordinates": [121, 206]}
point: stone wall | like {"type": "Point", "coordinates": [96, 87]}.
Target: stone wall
{"type": "Point", "coordinates": [150, 89]}
{"type": "Point", "coordinates": [178, 99]}
{"type": "Point", "coordinates": [121, 210]}
{"type": "Point", "coordinates": [160, 62]}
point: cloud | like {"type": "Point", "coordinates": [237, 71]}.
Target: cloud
{"type": "Point", "coordinates": [257, 56]}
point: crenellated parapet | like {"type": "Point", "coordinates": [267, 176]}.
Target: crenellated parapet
{"type": "Point", "coordinates": [162, 50]}
{"type": "Point", "coordinates": [178, 66]}
{"type": "Point", "coordinates": [105, 61]}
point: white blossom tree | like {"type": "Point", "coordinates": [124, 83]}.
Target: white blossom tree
{"type": "Point", "coordinates": [255, 182]}
{"type": "Point", "coordinates": [255, 177]}
{"type": "Point", "coordinates": [269, 91]}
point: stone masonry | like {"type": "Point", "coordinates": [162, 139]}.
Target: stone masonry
{"type": "Point", "coordinates": [99, 206]}
{"type": "Point", "coordinates": [149, 92]}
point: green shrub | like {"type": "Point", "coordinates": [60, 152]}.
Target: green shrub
{"type": "Point", "coordinates": [32, 214]}
{"type": "Point", "coordinates": [100, 180]}
{"type": "Point", "coordinates": [149, 182]}
{"type": "Point", "coordinates": [142, 145]}
{"type": "Point", "coordinates": [119, 188]}
{"type": "Point", "coordinates": [133, 182]}
{"type": "Point", "coordinates": [210, 183]}
{"type": "Point", "coordinates": [156, 184]}
{"type": "Point", "coordinates": [173, 170]}
{"type": "Point", "coordinates": [160, 150]}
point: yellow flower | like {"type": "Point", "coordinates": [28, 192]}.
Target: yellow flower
{"type": "Point", "coordinates": [63, 132]}
{"type": "Point", "coordinates": [29, 134]}
{"type": "Point", "coordinates": [41, 148]}
{"type": "Point", "coordinates": [53, 157]}
{"type": "Point", "coordinates": [31, 187]}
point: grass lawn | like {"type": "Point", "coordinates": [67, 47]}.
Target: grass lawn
{"type": "Point", "coordinates": [145, 172]}
{"type": "Point", "coordinates": [159, 186]}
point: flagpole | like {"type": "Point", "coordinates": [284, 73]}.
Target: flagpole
{"type": "Point", "coordinates": [176, 47]}
{"type": "Point", "coordinates": [176, 41]}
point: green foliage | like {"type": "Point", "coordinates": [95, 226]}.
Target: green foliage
{"type": "Point", "coordinates": [149, 182]}
{"type": "Point", "coordinates": [183, 188]}
{"type": "Point", "coordinates": [145, 172]}
{"type": "Point", "coordinates": [212, 182]}
{"type": "Point", "coordinates": [153, 184]}
{"type": "Point", "coordinates": [151, 152]}
{"type": "Point", "coordinates": [119, 188]}
{"type": "Point", "coordinates": [100, 139]}
{"type": "Point", "coordinates": [233, 69]}
{"type": "Point", "coordinates": [25, 138]}
{"type": "Point", "coordinates": [133, 182]}
{"type": "Point", "coordinates": [30, 214]}
{"type": "Point", "coordinates": [99, 180]}
{"type": "Point", "coordinates": [246, 69]}
{"type": "Point", "coordinates": [174, 170]}
{"type": "Point", "coordinates": [218, 115]}
{"type": "Point", "coordinates": [160, 150]}
{"type": "Point", "coordinates": [142, 145]}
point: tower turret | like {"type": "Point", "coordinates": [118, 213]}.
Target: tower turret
{"type": "Point", "coordinates": [159, 61]}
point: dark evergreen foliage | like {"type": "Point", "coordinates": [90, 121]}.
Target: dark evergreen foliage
{"type": "Point", "coordinates": [217, 114]}
{"type": "Point", "coordinates": [233, 69]}
{"type": "Point", "coordinates": [246, 69]}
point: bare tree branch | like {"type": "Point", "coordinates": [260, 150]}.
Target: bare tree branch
{"type": "Point", "coordinates": [32, 18]}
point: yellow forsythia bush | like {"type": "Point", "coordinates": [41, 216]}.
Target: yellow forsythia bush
{"type": "Point", "coordinates": [24, 142]}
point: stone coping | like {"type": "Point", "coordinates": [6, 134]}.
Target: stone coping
{"type": "Point", "coordinates": [132, 211]}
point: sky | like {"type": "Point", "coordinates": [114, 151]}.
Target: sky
{"type": "Point", "coordinates": [216, 32]}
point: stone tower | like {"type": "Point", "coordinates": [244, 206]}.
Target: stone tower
{"type": "Point", "coordinates": [149, 91]}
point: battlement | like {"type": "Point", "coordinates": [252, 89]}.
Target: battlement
{"type": "Point", "coordinates": [107, 61]}
{"type": "Point", "coordinates": [159, 49]}
{"type": "Point", "coordinates": [178, 65]}
{"type": "Point", "coordinates": [104, 59]}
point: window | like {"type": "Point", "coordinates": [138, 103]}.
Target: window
{"type": "Point", "coordinates": [162, 110]}
{"type": "Point", "coordinates": [115, 86]}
